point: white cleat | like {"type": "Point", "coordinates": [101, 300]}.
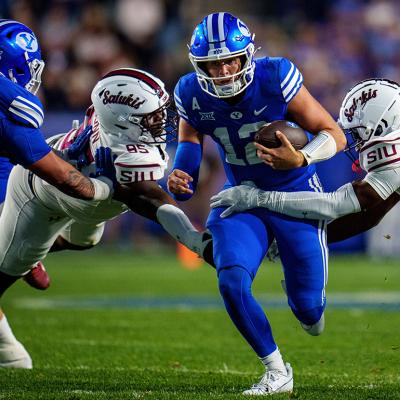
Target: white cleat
{"type": "Point", "coordinates": [14, 355]}
{"type": "Point", "coordinates": [315, 329]}
{"type": "Point", "coordinates": [272, 382]}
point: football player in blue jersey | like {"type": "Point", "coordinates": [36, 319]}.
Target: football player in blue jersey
{"type": "Point", "coordinates": [21, 142]}
{"type": "Point", "coordinates": [21, 115]}
{"type": "Point", "coordinates": [229, 97]}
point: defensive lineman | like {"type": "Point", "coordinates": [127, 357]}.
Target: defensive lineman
{"type": "Point", "coordinates": [131, 114]}
{"type": "Point", "coordinates": [370, 114]}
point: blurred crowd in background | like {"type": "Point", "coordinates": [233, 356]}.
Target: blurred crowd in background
{"type": "Point", "coordinates": [335, 43]}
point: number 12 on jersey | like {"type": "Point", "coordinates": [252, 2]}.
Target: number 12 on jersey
{"type": "Point", "coordinates": [244, 132]}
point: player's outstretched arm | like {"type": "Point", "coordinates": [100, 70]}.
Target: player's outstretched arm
{"type": "Point", "coordinates": [69, 180]}
{"type": "Point", "coordinates": [348, 199]}
{"type": "Point", "coordinates": [353, 224]}
{"type": "Point", "coordinates": [309, 205]}
{"type": "Point", "coordinates": [149, 200]}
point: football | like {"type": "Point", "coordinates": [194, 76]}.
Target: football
{"type": "Point", "coordinates": [266, 135]}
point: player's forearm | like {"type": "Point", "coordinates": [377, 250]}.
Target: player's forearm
{"type": "Point", "coordinates": [67, 179]}
{"type": "Point", "coordinates": [353, 224]}
{"type": "Point", "coordinates": [311, 205]}
{"type": "Point", "coordinates": [188, 159]}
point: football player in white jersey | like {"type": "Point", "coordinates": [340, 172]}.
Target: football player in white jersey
{"type": "Point", "coordinates": [370, 113]}
{"type": "Point", "coordinates": [130, 120]}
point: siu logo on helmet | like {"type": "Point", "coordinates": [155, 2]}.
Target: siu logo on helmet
{"type": "Point", "coordinates": [109, 98]}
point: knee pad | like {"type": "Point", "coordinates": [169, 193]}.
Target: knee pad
{"type": "Point", "coordinates": [311, 316]}
{"type": "Point", "coordinates": [233, 281]}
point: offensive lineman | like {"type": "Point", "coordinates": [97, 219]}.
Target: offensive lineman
{"type": "Point", "coordinates": [131, 115]}
{"type": "Point", "coordinates": [21, 115]}
{"type": "Point", "coordinates": [370, 113]}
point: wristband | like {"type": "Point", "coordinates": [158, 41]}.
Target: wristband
{"type": "Point", "coordinates": [321, 148]}
{"type": "Point", "coordinates": [103, 188]}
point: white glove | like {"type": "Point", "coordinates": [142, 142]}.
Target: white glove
{"type": "Point", "coordinates": [237, 199]}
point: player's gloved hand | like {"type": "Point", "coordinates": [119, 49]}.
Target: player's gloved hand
{"type": "Point", "coordinates": [77, 150]}
{"type": "Point", "coordinates": [237, 199]}
{"type": "Point", "coordinates": [105, 166]}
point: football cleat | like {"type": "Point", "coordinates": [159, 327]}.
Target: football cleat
{"type": "Point", "coordinates": [14, 355]}
{"type": "Point", "coordinates": [37, 277]}
{"type": "Point", "coordinates": [272, 382]}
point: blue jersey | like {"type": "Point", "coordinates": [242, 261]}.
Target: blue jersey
{"type": "Point", "coordinates": [233, 127]}
{"type": "Point", "coordinates": [21, 115]}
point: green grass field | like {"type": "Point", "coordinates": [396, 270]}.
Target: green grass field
{"type": "Point", "coordinates": [115, 325]}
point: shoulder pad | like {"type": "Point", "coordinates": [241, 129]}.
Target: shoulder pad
{"type": "Point", "coordinates": [183, 94]}
{"type": "Point", "coordinates": [290, 79]}
{"type": "Point", "coordinates": [380, 154]}
{"type": "Point", "coordinates": [19, 105]}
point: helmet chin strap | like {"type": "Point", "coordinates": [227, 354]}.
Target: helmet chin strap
{"type": "Point", "coordinates": [230, 88]}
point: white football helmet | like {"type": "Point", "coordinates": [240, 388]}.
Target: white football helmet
{"type": "Point", "coordinates": [371, 109]}
{"type": "Point", "coordinates": [134, 104]}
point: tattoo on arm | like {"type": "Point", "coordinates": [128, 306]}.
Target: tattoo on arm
{"type": "Point", "coordinates": [77, 185]}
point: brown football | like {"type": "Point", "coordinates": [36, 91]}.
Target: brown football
{"type": "Point", "coordinates": [296, 135]}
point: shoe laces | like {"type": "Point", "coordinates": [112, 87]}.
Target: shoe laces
{"type": "Point", "coordinates": [267, 380]}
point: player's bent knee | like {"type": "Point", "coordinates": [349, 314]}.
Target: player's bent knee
{"type": "Point", "coordinates": [233, 282]}
{"type": "Point", "coordinates": [310, 317]}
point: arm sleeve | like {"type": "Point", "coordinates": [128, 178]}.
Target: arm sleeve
{"type": "Point", "coordinates": [188, 159]}
{"type": "Point", "coordinates": [290, 79]}
{"type": "Point", "coordinates": [312, 205]}
{"type": "Point", "coordinates": [178, 225]}
{"type": "Point", "coordinates": [384, 182]}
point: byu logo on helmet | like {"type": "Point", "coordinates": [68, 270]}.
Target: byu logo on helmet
{"type": "Point", "coordinates": [21, 59]}
{"type": "Point", "coordinates": [27, 41]}
{"type": "Point", "coordinates": [244, 30]}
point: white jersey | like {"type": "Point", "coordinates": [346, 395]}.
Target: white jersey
{"type": "Point", "coordinates": [134, 162]}
{"type": "Point", "coordinates": [380, 158]}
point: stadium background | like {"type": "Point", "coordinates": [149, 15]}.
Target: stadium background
{"type": "Point", "coordinates": [334, 43]}
{"type": "Point", "coordinates": [127, 323]}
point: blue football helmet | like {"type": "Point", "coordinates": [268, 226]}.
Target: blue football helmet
{"type": "Point", "coordinates": [20, 56]}
{"type": "Point", "coordinates": [222, 36]}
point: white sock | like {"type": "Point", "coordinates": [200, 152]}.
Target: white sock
{"type": "Point", "coordinates": [274, 362]}
{"type": "Point", "coordinates": [6, 335]}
